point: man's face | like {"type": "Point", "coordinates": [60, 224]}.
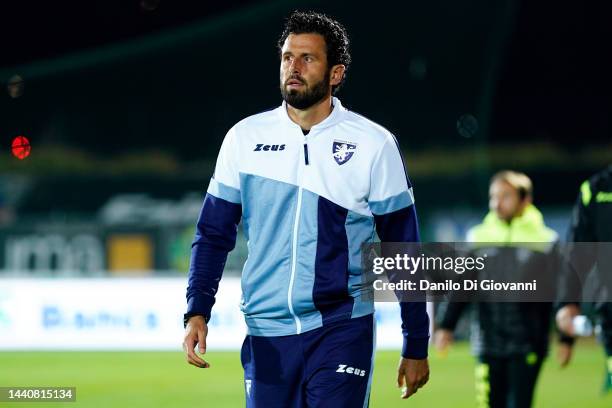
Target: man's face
{"type": "Point", "coordinates": [304, 74]}
{"type": "Point", "coordinates": [505, 200]}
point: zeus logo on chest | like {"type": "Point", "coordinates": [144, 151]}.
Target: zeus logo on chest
{"type": "Point", "coordinates": [268, 148]}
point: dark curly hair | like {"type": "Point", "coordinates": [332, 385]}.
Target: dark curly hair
{"type": "Point", "coordinates": [334, 33]}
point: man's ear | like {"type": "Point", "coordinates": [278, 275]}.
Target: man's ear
{"type": "Point", "coordinates": [337, 73]}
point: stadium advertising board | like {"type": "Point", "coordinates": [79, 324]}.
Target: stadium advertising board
{"type": "Point", "coordinates": [127, 314]}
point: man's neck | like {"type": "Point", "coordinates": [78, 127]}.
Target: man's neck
{"type": "Point", "coordinates": [309, 117]}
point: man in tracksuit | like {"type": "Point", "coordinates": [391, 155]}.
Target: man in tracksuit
{"type": "Point", "coordinates": [510, 339]}
{"type": "Point", "coordinates": [312, 182]}
{"type": "Point", "coordinates": [591, 222]}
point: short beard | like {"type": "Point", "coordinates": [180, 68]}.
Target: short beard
{"type": "Point", "coordinates": [309, 97]}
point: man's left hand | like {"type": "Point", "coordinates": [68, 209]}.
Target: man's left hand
{"type": "Point", "coordinates": [412, 375]}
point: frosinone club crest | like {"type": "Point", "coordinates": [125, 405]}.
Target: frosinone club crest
{"type": "Point", "coordinates": [343, 151]}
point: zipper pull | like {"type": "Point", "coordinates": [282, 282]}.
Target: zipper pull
{"type": "Point", "coordinates": [306, 162]}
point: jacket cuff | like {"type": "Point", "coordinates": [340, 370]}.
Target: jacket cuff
{"type": "Point", "coordinates": [188, 316]}
{"type": "Point", "coordinates": [415, 349]}
{"type": "Point", "coordinates": [198, 306]}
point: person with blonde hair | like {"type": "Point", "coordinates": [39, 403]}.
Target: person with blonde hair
{"type": "Point", "coordinates": [509, 339]}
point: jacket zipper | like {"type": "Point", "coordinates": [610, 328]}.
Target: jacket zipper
{"type": "Point", "coordinates": [298, 323]}
{"type": "Point", "coordinates": [296, 223]}
{"type": "Point", "coordinates": [306, 162]}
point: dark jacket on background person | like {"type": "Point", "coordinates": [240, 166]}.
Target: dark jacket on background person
{"type": "Point", "coordinates": [592, 217]}
{"type": "Point", "coordinates": [505, 329]}
{"type": "Point", "coordinates": [592, 222]}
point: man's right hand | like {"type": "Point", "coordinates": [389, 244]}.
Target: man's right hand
{"type": "Point", "coordinates": [565, 319]}
{"type": "Point", "coordinates": [195, 333]}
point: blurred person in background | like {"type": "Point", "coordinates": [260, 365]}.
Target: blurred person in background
{"type": "Point", "coordinates": [591, 222]}
{"type": "Point", "coordinates": [311, 181]}
{"type": "Point", "coordinates": [509, 339]}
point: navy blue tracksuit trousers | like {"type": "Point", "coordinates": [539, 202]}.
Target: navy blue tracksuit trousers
{"type": "Point", "coordinates": [327, 367]}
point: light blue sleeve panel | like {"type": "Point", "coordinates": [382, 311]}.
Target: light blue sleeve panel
{"type": "Point", "coordinates": [220, 190]}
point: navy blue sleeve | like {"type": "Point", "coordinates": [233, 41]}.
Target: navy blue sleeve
{"type": "Point", "coordinates": [215, 237]}
{"type": "Point", "coordinates": [402, 226]}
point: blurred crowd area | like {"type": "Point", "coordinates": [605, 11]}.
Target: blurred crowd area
{"type": "Point", "coordinates": [131, 234]}
{"type": "Point", "coordinates": [137, 234]}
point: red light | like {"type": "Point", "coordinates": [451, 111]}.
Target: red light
{"type": "Point", "coordinates": [21, 147]}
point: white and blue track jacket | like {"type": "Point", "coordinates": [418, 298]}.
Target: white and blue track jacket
{"type": "Point", "coordinates": [307, 203]}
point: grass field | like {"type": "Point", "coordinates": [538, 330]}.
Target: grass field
{"type": "Point", "coordinates": [163, 379]}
